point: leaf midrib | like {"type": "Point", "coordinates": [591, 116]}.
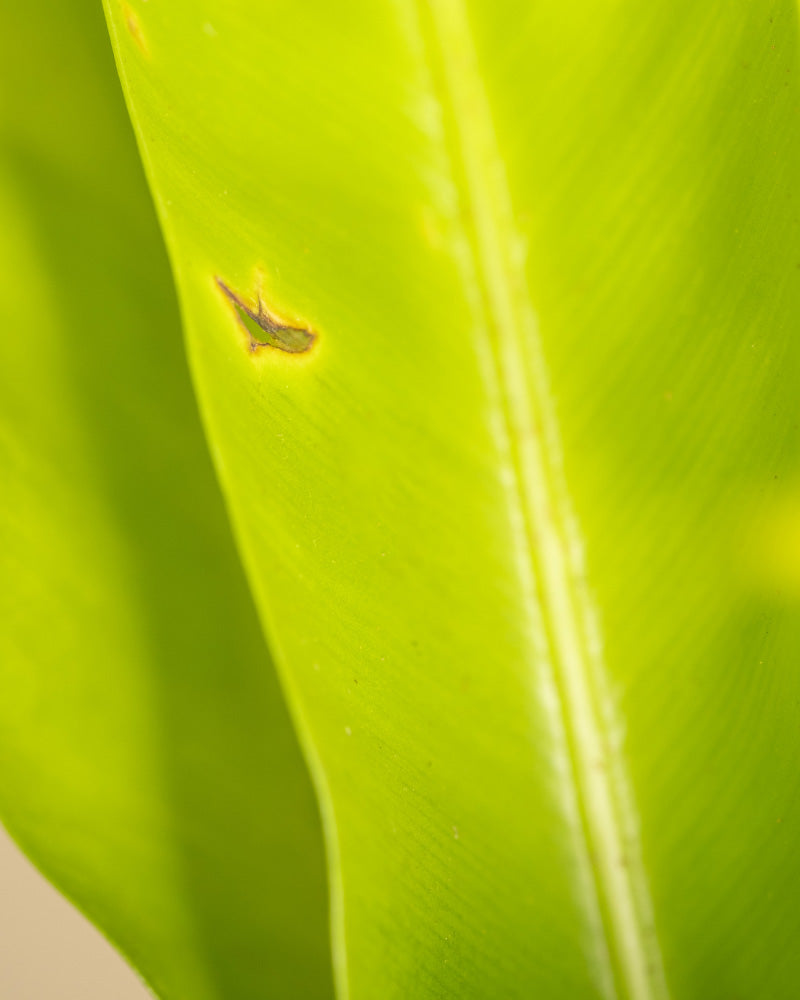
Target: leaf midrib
{"type": "Point", "coordinates": [616, 896]}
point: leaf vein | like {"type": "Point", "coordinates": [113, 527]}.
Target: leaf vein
{"type": "Point", "coordinates": [549, 560]}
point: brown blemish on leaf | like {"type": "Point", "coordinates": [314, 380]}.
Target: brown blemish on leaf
{"type": "Point", "coordinates": [277, 334]}
{"type": "Point", "coordinates": [135, 29]}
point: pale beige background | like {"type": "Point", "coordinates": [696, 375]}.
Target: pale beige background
{"type": "Point", "coordinates": [48, 951]}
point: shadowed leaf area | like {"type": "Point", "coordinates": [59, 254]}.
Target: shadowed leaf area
{"type": "Point", "coordinates": [149, 766]}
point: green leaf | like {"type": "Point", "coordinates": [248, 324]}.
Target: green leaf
{"type": "Point", "coordinates": [148, 763]}
{"type": "Point", "coordinates": [524, 521]}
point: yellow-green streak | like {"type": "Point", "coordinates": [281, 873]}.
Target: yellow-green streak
{"type": "Point", "coordinates": [549, 556]}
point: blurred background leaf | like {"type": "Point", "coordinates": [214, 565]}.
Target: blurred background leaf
{"type": "Point", "coordinates": [148, 763]}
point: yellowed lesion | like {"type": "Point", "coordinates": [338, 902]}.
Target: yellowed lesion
{"type": "Point", "coordinates": [134, 27]}
{"type": "Point", "coordinates": [433, 229]}
{"type": "Point", "coordinates": [771, 548]}
{"type": "Point", "coordinates": [265, 329]}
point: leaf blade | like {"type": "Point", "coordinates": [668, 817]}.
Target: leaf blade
{"type": "Point", "coordinates": [345, 477]}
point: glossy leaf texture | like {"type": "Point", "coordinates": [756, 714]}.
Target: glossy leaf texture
{"type": "Point", "coordinates": [523, 522]}
{"type": "Point", "coordinates": [147, 761]}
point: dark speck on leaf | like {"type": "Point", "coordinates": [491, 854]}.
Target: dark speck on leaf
{"type": "Point", "coordinates": [265, 330]}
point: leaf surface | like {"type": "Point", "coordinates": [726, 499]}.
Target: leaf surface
{"type": "Point", "coordinates": [523, 520]}
{"type": "Point", "coordinates": [147, 762]}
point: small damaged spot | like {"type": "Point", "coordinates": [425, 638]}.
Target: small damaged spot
{"type": "Point", "coordinates": [266, 330]}
{"type": "Point", "coordinates": [135, 28]}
